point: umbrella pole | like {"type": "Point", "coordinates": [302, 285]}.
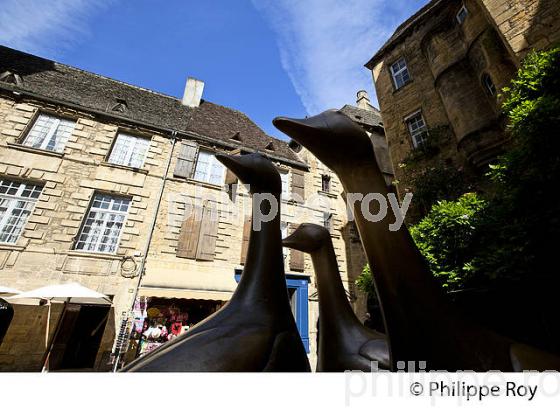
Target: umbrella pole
{"type": "Point", "coordinates": [48, 326]}
{"type": "Point", "coordinates": [58, 326]}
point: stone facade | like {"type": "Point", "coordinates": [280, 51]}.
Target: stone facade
{"type": "Point", "coordinates": [458, 56]}
{"type": "Point", "coordinates": [151, 258]}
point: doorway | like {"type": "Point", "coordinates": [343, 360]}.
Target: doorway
{"type": "Point", "coordinates": [79, 337]}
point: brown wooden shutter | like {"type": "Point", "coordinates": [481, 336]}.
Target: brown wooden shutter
{"type": "Point", "coordinates": [297, 261]}
{"type": "Point", "coordinates": [231, 178]}
{"type": "Point", "coordinates": [186, 159]}
{"type": "Point", "coordinates": [298, 184]}
{"type": "Point", "coordinates": [188, 237]}
{"type": "Point", "coordinates": [208, 233]}
{"type": "Point", "coordinates": [245, 243]}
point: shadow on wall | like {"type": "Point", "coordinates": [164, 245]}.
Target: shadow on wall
{"type": "Point", "coordinates": [23, 347]}
{"type": "Point", "coordinates": [83, 341]}
{"type": "Point", "coordinates": [544, 27]}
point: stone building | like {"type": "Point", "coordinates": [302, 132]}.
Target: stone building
{"type": "Point", "coordinates": [438, 79]}
{"type": "Point", "coordinates": [99, 184]}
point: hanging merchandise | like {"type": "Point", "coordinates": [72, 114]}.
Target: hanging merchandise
{"type": "Point", "coordinates": [158, 320]}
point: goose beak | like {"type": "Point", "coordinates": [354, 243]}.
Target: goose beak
{"type": "Point", "coordinates": [292, 242]}
{"type": "Point", "coordinates": [235, 164]}
{"type": "Point", "coordinates": [301, 130]}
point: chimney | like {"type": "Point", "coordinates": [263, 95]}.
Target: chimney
{"type": "Point", "coordinates": [193, 92]}
{"type": "Point", "coordinates": [363, 101]}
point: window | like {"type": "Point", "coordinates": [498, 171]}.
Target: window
{"type": "Point", "coordinates": [488, 84]}
{"type": "Point", "coordinates": [400, 74]}
{"type": "Point", "coordinates": [325, 183]}
{"type": "Point", "coordinates": [417, 128]}
{"type": "Point", "coordinates": [102, 228]}
{"type": "Point", "coordinates": [285, 178]}
{"type": "Point", "coordinates": [49, 133]}
{"type": "Point", "coordinates": [209, 169]}
{"type": "Point", "coordinates": [17, 200]}
{"type": "Point", "coordinates": [284, 234]}
{"type": "Point", "coordinates": [327, 221]}
{"type": "Point", "coordinates": [462, 14]}
{"type": "Point", "coordinates": [129, 150]}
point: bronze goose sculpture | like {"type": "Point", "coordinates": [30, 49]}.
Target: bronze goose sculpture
{"type": "Point", "coordinates": [421, 324]}
{"type": "Point", "coordinates": [255, 331]}
{"type": "Point", "coordinates": [344, 343]}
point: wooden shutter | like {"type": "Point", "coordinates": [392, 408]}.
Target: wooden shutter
{"type": "Point", "coordinates": [298, 184]}
{"type": "Point", "coordinates": [297, 261]}
{"type": "Point", "coordinates": [186, 159]}
{"type": "Point", "coordinates": [245, 243]}
{"type": "Point", "coordinates": [208, 233]}
{"type": "Point", "coordinates": [188, 237]}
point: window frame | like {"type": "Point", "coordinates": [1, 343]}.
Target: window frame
{"type": "Point", "coordinates": [14, 199]}
{"type": "Point", "coordinates": [394, 74]}
{"type": "Point", "coordinates": [285, 181]}
{"type": "Point", "coordinates": [204, 150]}
{"type": "Point", "coordinates": [326, 178]}
{"type": "Point", "coordinates": [85, 219]}
{"type": "Point", "coordinates": [462, 11]}
{"type": "Point", "coordinates": [413, 136]}
{"type": "Point", "coordinates": [491, 91]}
{"type": "Point", "coordinates": [284, 233]}
{"type": "Point", "coordinates": [328, 221]}
{"type": "Point", "coordinates": [128, 133]}
{"type": "Point", "coordinates": [31, 124]}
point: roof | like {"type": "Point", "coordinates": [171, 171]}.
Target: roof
{"type": "Point", "coordinates": [371, 118]}
{"type": "Point", "coordinates": [371, 121]}
{"type": "Point", "coordinates": [404, 29]}
{"type": "Point", "coordinates": [44, 78]}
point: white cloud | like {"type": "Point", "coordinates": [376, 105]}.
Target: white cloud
{"type": "Point", "coordinates": [39, 26]}
{"type": "Point", "coordinates": [325, 43]}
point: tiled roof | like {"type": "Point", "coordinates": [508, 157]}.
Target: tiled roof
{"type": "Point", "coordinates": [371, 121]}
{"type": "Point", "coordinates": [91, 92]}
{"type": "Point", "coordinates": [363, 117]}
{"type": "Point", "coordinates": [403, 29]}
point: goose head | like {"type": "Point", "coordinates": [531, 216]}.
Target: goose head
{"type": "Point", "coordinates": [307, 238]}
{"type": "Point", "coordinates": [254, 170]}
{"type": "Point", "coordinates": [331, 136]}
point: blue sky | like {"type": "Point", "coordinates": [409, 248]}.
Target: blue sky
{"type": "Point", "coordinates": [262, 57]}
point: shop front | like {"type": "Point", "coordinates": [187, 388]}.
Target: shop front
{"type": "Point", "coordinates": [158, 320]}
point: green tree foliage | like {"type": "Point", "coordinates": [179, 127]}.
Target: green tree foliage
{"type": "Point", "coordinates": [445, 238]}
{"type": "Point", "coordinates": [436, 183]}
{"type": "Point", "coordinates": [521, 226]}
{"type": "Point", "coordinates": [364, 282]}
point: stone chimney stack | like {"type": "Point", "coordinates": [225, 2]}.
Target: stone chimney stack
{"type": "Point", "coordinates": [363, 101]}
{"type": "Point", "coordinates": [193, 92]}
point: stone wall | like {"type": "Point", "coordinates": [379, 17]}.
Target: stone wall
{"type": "Point", "coordinates": [44, 253]}
{"type": "Point", "coordinates": [447, 62]}
{"type": "Point", "coordinates": [525, 24]}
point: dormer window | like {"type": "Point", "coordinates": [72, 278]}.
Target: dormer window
{"type": "Point", "coordinates": [236, 137]}
{"type": "Point", "coordinates": [120, 105]}
{"type": "Point", "coordinates": [11, 78]}
{"type": "Point", "coordinates": [462, 14]}
{"type": "Point", "coordinates": [400, 74]}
